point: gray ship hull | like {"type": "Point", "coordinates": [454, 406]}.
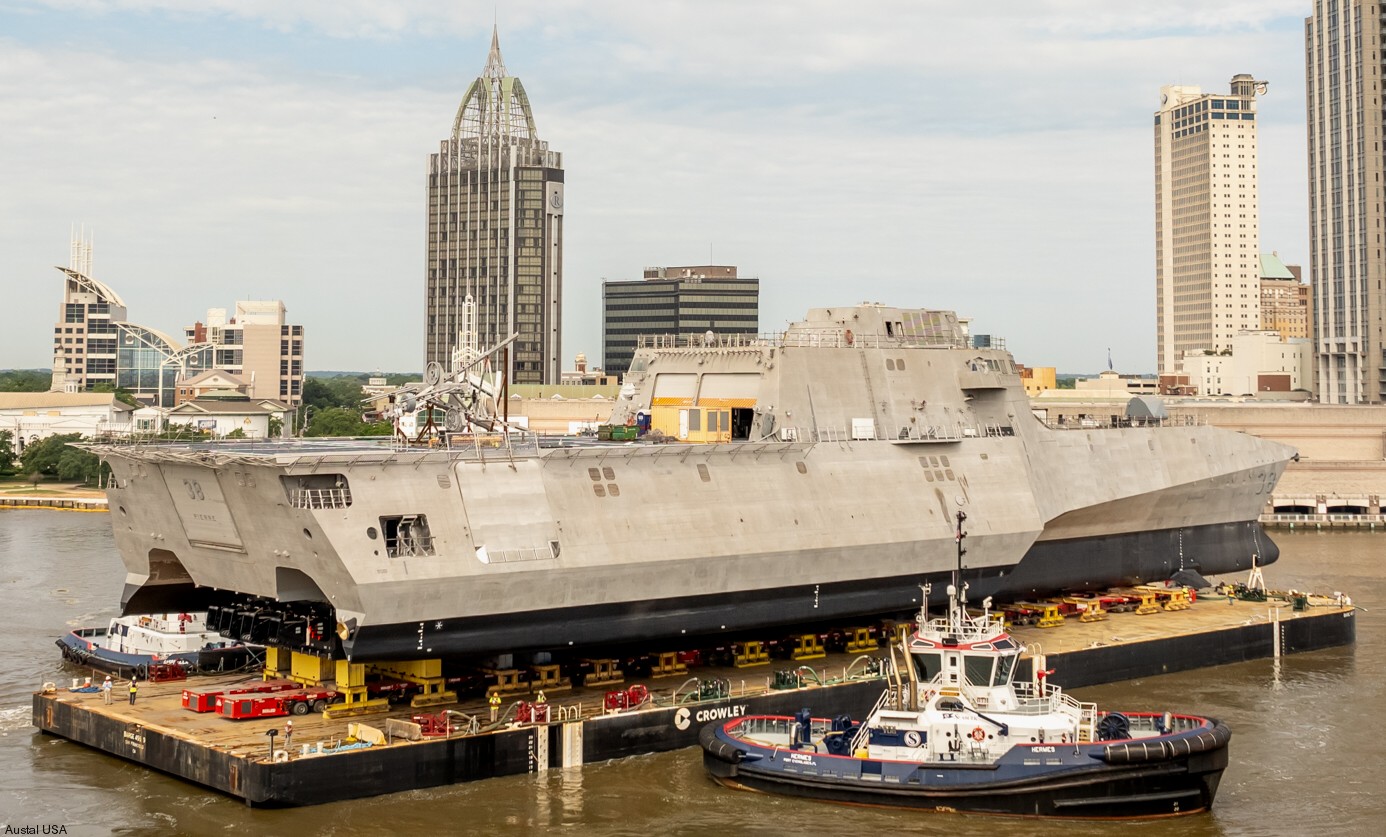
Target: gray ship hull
{"type": "Point", "coordinates": [861, 443]}
{"type": "Point", "coordinates": [1049, 566]}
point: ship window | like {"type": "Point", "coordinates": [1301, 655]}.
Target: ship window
{"type": "Point", "coordinates": [900, 364]}
{"type": "Point", "coordinates": [608, 473]}
{"type": "Point", "coordinates": [599, 490]}
{"type": "Point", "coordinates": [372, 533]}
{"type": "Point", "coordinates": [799, 466]}
{"type": "Point", "coordinates": [703, 474]}
{"type": "Point", "coordinates": [613, 489]}
{"type": "Point", "coordinates": [933, 460]}
{"type": "Point", "coordinates": [1004, 668]}
{"type": "Point", "coordinates": [928, 666]}
{"type": "Point", "coordinates": [317, 491]}
{"type": "Point", "coordinates": [977, 669]}
{"type": "Point", "coordinates": [890, 365]}
{"type": "Point", "coordinates": [595, 474]}
{"type": "Point", "coordinates": [944, 461]}
{"type": "Point", "coordinates": [407, 535]}
{"type": "Point", "coordinates": [929, 475]}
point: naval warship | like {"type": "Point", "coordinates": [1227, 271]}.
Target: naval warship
{"type": "Point", "coordinates": [795, 478]}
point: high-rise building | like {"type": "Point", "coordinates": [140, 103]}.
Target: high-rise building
{"type": "Point", "coordinates": [94, 345]}
{"type": "Point", "coordinates": [1285, 301]}
{"type": "Point", "coordinates": [684, 301]}
{"type": "Point", "coordinates": [1207, 239]}
{"type": "Point", "coordinates": [1344, 66]}
{"type": "Point", "coordinates": [495, 230]}
{"type": "Point", "coordinates": [257, 346]}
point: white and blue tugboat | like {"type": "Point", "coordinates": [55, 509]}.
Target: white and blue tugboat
{"type": "Point", "coordinates": [957, 732]}
{"type": "Point", "coordinates": [139, 645]}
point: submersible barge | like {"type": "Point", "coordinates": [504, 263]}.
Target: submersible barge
{"type": "Point", "coordinates": [233, 756]}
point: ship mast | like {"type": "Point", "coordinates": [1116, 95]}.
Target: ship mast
{"type": "Point", "coordinates": [957, 590]}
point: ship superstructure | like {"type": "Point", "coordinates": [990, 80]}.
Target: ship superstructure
{"type": "Point", "coordinates": [802, 477]}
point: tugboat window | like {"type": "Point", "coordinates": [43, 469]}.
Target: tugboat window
{"type": "Point", "coordinates": [978, 670]}
{"type": "Point", "coordinates": [1005, 666]}
{"type": "Point", "coordinates": [928, 666]}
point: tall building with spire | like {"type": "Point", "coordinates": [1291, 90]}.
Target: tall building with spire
{"type": "Point", "coordinates": [1207, 232]}
{"type": "Point", "coordinates": [1346, 219]}
{"type": "Point", "coordinates": [495, 230]}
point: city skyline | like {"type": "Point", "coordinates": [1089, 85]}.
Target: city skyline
{"type": "Point", "coordinates": [995, 165]}
{"type": "Point", "coordinates": [1207, 219]}
{"type": "Point", "coordinates": [1346, 163]}
{"type": "Point", "coordinates": [495, 233]}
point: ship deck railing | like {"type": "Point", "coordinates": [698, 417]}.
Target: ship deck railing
{"type": "Point", "coordinates": [1112, 421]}
{"type": "Point", "coordinates": [479, 447]}
{"type": "Point", "coordinates": [810, 338]}
{"type": "Point", "coordinates": [936, 433]}
{"type": "Point", "coordinates": [320, 498]}
{"type": "Point", "coordinates": [1043, 700]}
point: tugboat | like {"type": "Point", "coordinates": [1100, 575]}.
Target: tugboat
{"type": "Point", "coordinates": [957, 732]}
{"type": "Point", "coordinates": [172, 643]}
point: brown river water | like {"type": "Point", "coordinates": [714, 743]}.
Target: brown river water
{"type": "Point", "coordinates": [1304, 758]}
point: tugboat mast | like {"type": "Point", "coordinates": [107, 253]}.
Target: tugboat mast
{"type": "Point", "coordinates": [957, 591]}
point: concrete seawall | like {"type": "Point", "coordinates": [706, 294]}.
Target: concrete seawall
{"type": "Point", "coordinates": [51, 503]}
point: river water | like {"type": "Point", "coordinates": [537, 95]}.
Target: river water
{"type": "Point", "coordinates": [1303, 754]}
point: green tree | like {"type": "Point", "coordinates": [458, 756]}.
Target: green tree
{"type": "Point", "coordinates": [77, 464]}
{"type": "Point", "coordinates": [6, 452]}
{"type": "Point", "coordinates": [25, 380]}
{"type": "Point", "coordinates": [42, 457]}
{"type": "Point", "coordinates": [334, 421]}
{"type": "Point", "coordinates": [55, 457]}
{"type": "Point", "coordinates": [122, 394]}
{"type": "Point", "coordinates": [344, 421]}
{"type": "Point", "coordinates": [276, 427]}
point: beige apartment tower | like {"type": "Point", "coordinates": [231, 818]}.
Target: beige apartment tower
{"type": "Point", "coordinates": [1207, 238]}
{"type": "Point", "coordinates": [495, 230]}
{"type": "Point", "coordinates": [1343, 75]}
{"type": "Point", "coordinates": [256, 344]}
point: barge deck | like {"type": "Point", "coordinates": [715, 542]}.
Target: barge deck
{"type": "Point", "coordinates": [234, 757]}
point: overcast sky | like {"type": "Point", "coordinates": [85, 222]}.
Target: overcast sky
{"type": "Point", "coordinates": [995, 159]}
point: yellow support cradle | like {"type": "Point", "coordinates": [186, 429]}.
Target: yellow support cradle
{"type": "Point", "coordinates": [808, 647]}
{"type": "Point", "coordinates": [750, 654]}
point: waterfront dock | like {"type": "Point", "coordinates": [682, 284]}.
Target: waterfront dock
{"type": "Point", "coordinates": [15, 501]}
{"type": "Point", "coordinates": [234, 757]}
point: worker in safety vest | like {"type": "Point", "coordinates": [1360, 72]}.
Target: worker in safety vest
{"type": "Point", "coordinates": [495, 702]}
{"type": "Point", "coordinates": [288, 732]}
{"type": "Point", "coordinates": [133, 690]}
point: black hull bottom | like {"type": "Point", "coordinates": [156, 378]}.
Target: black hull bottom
{"type": "Point", "coordinates": [1095, 563]}
{"type": "Point", "coordinates": [1184, 786]}
{"type": "Point", "coordinates": [211, 661]}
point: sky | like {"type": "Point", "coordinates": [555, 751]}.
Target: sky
{"type": "Point", "coordinates": [994, 159]}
